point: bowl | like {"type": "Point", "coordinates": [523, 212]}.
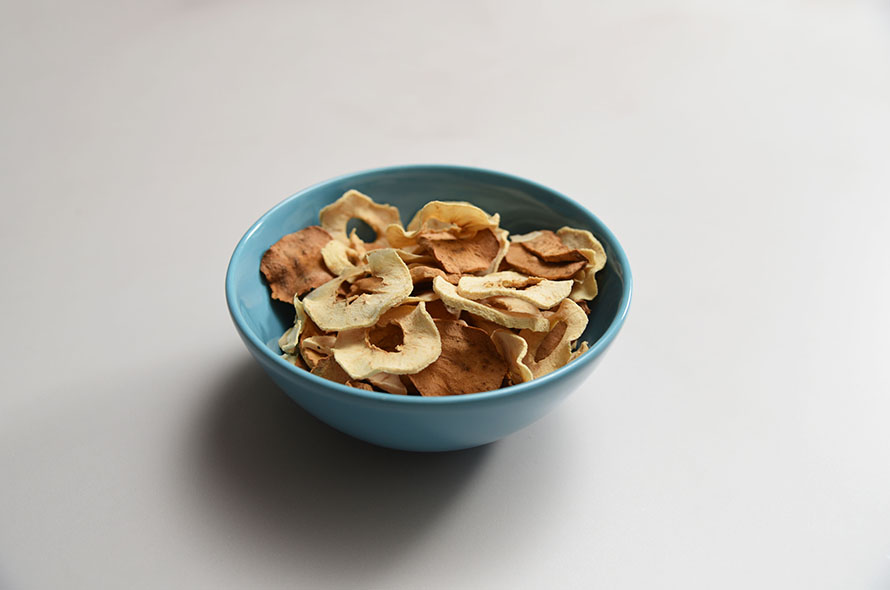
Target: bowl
{"type": "Point", "coordinates": [418, 423]}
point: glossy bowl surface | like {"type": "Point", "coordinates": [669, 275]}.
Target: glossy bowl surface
{"type": "Point", "coordinates": [412, 422]}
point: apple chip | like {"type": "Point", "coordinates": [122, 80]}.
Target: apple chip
{"type": "Point", "coordinates": [524, 260]}
{"type": "Point", "coordinates": [410, 258]}
{"type": "Point", "coordinates": [458, 218]}
{"type": "Point", "coordinates": [340, 257]}
{"type": "Point", "coordinates": [541, 292]}
{"type": "Point", "coordinates": [585, 287]}
{"type": "Point", "coordinates": [295, 360]}
{"type": "Point", "coordinates": [388, 382]}
{"type": "Point", "coordinates": [507, 318]}
{"type": "Point", "coordinates": [513, 348]}
{"type": "Point", "coordinates": [361, 286]}
{"type": "Point", "coordinates": [425, 274]}
{"type": "Point", "coordinates": [449, 304]}
{"type": "Point", "coordinates": [434, 305]}
{"type": "Point", "coordinates": [581, 350]}
{"type": "Point", "coordinates": [311, 344]}
{"type": "Point", "coordinates": [322, 343]}
{"type": "Point", "coordinates": [288, 340]}
{"type": "Point", "coordinates": [332, 312]}
{"type": "Point", "coordinates": [512, 305]}
{"type": "Point", "coordinates": [399, 238]}
{"type": "Point", "coordinates": [439, 311]}
{"type": "Point", "coordinates": [293, 265]}
{"type": "Point", "coordinates": [547, 351]}
{"type": "Point", "coordinates": [420, 346]}
{"type": "Point", "coordinates": [312, 357]}
{"type": "Point", "coordinates": [547, 246]}
{"type": "Point", "coordinates": [328, 369]}
{"type": "Point", "coordinates": [532, 235]}
{"type": "Point", "coordinates": [355, 205]}
{"type": "Point", "coordinates": [503, 238]}
{"type": "Point", "coordinates": [459, 255]}
{"type": "Point", "coordinates": [487, 326]}
{"type": "Point", "coordinates": [425, 296]}
{"type": "Point", "coordinates": [469, 363]}
{"type": "Point", "coordinates": [584, 242]}
{"type": "Point", "coordinates": [388, 334]}
{"type": "Point", "coordinates": [465, 215]}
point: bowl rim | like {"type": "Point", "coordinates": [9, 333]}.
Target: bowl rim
{"type": "Point", "coordinates": [618, 257]}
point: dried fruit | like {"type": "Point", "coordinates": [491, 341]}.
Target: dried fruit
{"type": "Point", "coordinates": [328, 368]}
{"type": "Point", "coordinates": [469, 363]}
{"type": "Point", "coordinates": [355, 205]}
{"type": "Point", "coordinates": [512, 305]}
{"type": "Point", "coordinates": [459, 218]}
{"type": "Point", "coordinates": [541, 292]}
{"type": "Point", "coordinates": [439, 311]}
{"type": "Point", "coordinates": [420, 346]}
{"type": "Point", "coordinates": [293, 265]}
{"type": "Point", "coordinates": [584, 242]}
{"type": "Point", "coordinates": [332, 313]}
{"type": "Point", "coordinates": [339, 257]}
{"type": "Point", "coordinates": [411, 258]}
{"type": "Point", "coordinates": [513, 348]}
{"type": "Point", "coordinates": [585, 287]}
{"type": "Point", "coordinates": [407, 240]}
{"type": "Point", "coordinates": [288, 340]}
{"type": "Point", "coordinates": [461, 254]}
{"type": "Point", "coordinates": [426, 274]}
{"type": "Point", "coordinates": [547, 351]}
{"type": "Point", "coordinates": [449, 305]}
{"type": "Point", "coordinates": [314, 344]}
{"type": "Point", "coordinates": [488, 326]}
{"type": "Point", "coordinates": [295, 360]}
{"type": "Point", "coordinates": [584, 347]}
{"type": "Point", "coordinates": [465, 215]}
{"type": "Point", "coordinates": [503, 238]}
{"type": "Point", "coordinates": [506, 318]}
{"type": "Point", "coordinates": [424, 295]}
{"type": "Point", "coordinates": [547, 246]}
{"type": "Point", "coordinates": [524, 260]}
{"type": "Point", "coordinates": [388, 383]}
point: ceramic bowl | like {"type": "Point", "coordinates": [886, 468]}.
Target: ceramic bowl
{"type": "Point", "coordinates": [413, 422]}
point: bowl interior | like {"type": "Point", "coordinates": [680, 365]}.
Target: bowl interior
{"type": "Point", "coordinates": [524, 206]}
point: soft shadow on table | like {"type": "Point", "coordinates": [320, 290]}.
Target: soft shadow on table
{"type": "Point", "coordinates": [309, 494]}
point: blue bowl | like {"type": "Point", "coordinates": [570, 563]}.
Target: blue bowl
{"type": "Point", "coordinates": [411, 422]}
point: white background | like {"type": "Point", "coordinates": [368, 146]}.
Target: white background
{"type": "Point", "coordinates": [736, 436]}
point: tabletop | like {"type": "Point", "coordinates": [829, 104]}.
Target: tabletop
{"type": "Point", "coordinates": [735, 436]}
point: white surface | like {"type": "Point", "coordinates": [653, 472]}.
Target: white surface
{"type": "Point", "coordinates": [735, 437]}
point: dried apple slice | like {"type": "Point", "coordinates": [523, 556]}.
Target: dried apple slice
{"type": "Point", "coordinates": [420, 346]}
{"type": "Point", "coordinates": [543, 293]}
{"type": "Point", "coordinates": [469, 363]}
{"type": "Point", "coordinates": [294, 266]}
{"type": "Point", "coordinates": [513, 348]}
{"type": "Point", "coordinates": [524, 260]}
{"type": "Point", "coordinates": [355, 205]}
{"type": "Point", "coordinates": [288, 341]}
{"type": "Point", "coordinates": [332, 312]}
{"type": "Point", "coordinates": [585, 287]}
{"type": "Point", "coordinates": [547, 351]}
{"type": "Point", "coordinates": [509, 319]}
